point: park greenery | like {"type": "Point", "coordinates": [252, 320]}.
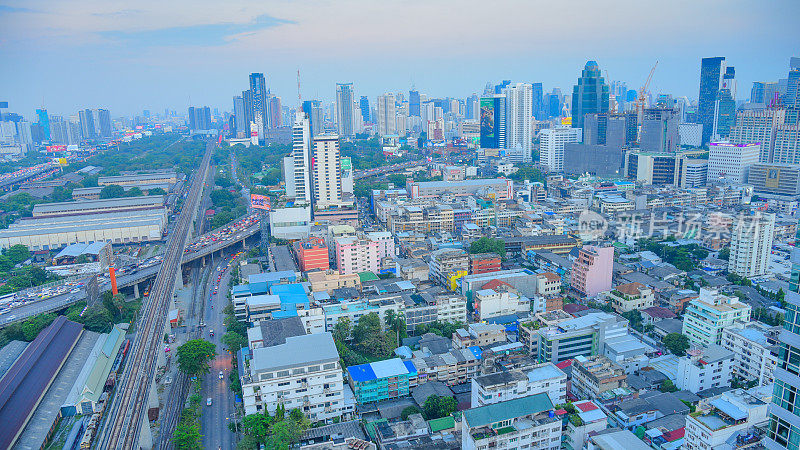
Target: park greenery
{"type": "Point", "coordinates": [488, 245]}
{"type": "Point", "coordinates": [367, 341]}
{"type": "Point", "coordinates": [683, 257]}
{"type": "Point", "coordinates": [676, 343]}
{"type": "Point", "coordinates": [194, 357]}
{"type": "Point", "coordinates": [445, 329]}
{"type": "Point", "coordinates": [278, 431]}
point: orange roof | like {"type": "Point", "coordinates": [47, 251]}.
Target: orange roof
{"type": "Point", "coordinates": [551, 276]}
{"type": "Point", "coordinates": [495, 283]}
{"type": "Point", "coordinates": [630, 288]}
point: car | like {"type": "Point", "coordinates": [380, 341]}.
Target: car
{"type": "Point", "coordinates": [221, 376]}
{"type": "Point", "coordinates": [208, 401]}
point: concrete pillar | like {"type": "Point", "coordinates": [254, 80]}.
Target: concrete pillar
{"type": "Point", "coordinates": [136, 290]}
{"type": "Point", "coordinates": [146, 436]}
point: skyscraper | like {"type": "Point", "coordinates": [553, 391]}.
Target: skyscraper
{"type": "Point", "coordinates": [471, 107]}
{"type": "Point", "coordinates": [59, 130]}
{"type": "Point", "coordinates": [239, 116]}
{"type": "Point", "coordinates": [659, 130]}
{"type": "Point", "coordinates": [327, 170]}
{"type": "Point", "coordinates": [301, 141]}
{"type": "Point", "coordinates": [313, 109]}
{"type": "Point", "coordinates": [551, 144]}
{"type": "Point", "coordinates": [538, 105]}
{"type": "Point", "coordinates": [275, 112]}
{"type": "Point", "coordinates": [104, 122]}
{"type": "Point", "coordinates": [711, 71]}
{"type": "Point", "coordinates": [258, 90]}
{"type": "Point", "coordinates": [44, 123]}
{"type": "Point", "coordinates": [413, 103]}
{"type": "Point", "coordinates": [344, 109]}
{"type": "Point", "coordinates": [751, 245]}
{"type": "Point", "coordinates": [492, 121]}
{"type": "Point", "coordinates": [247, 97]}
{"type": "Point", "coordinates": [792, 99]}
{"type": "Point", "coordinates": [364, 105]}
{"type": "Point", "coordinates": [519, 110]}
{"type": "Point", "coordinates": [87, 124]}
{"type": "Point", "coordinates": [784, 424]}
{"type": "Point", "coordinates": [725, 115]}
{"type": "Point", "coordinates": [386, 115]}
{"type": "Point", "coordinates": [590, 95]}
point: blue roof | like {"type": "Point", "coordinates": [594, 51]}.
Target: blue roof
{"type": "Point", "coordinates": [476, 350]}
{"type": "Point", "coordinates": [268, 277]}
{"type": "Point", "coordinates": [361, 372]}
{"type": "Point", "coordinates": [410, 366]}
{"type": "Point", "coordinates": [284, 314]}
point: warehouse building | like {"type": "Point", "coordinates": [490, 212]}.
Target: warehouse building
{"type": "Point", "coordinates": [99, 206]}
{"type": "Point", "coordinates": [93, 193]}
{"type": "Point", "coordinates": [158, 177]}
{"type": "Point", "coordinates": [48, 233]}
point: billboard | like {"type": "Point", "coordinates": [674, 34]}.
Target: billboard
{"type": "Point", "coordinates": [56, 148]}
{"type": "Point", "coordinates": [260, 202]}
{"type": "Point", "coordinates": [347, 164]}
{"type": "Point", "coordinates": [488, 136]}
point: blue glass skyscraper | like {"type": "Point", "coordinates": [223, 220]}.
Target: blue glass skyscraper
{"type": "Point", "coordinates": [710, 78]}
{"type": "Point", "coordinates": [590, 95]}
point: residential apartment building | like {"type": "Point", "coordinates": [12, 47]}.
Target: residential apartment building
{"type": "Point", "coordinates": [456, 366]}
{"type": "Point", "coordinates": [311, 254]}
{"type": "Point", "coordinates": [355, 309]}
{"type": "Point", "coordinates": [592, 271]}
{"type": "Point", "coordinates": [582, 336]}
{"type": "Point", "coordinates": [489, 303]}
{"type": "Point", "coordinates": [751, 245]}
{"type": "Point", "coordinates": [326, 171]}
{"type": "Point", "coordinates": [525, 422]}
{"type": "Point", "coordinates": [548, 284]}
{"type": "Point", "coordinates": [755, 352]}
{"type": "Point", "coordinates": [631, 296]}
{"type": "Point", "coordinates": [705, 368]}
{"type": "Point", "coordinates": [551, 145]}
{"type": "Point", "coordinates": [717, 420]}
{"type": "Point", "coordinates": [484, 263]}
{"type": "Point", "coordinates": [784, 423]}
{"type": "Point", "coordinates": [479, 334]}
{"type": "Point", "coordinates": [354, 255]}
{"type": "Point", "coordinates": [327, 281]}
{"type": "Point", "coordinates": [508, 385]}
{"type": "Point", "coordinates": [592, 420]}
{"type": "Point", "coordinates": [447, 266]}
{"type": "Point", "coordinates": [710, 313]}
{"type": "Point", "coordinates": [593, 376]}
{"type": "Point", "coordinates": [497, 188]}
{"type": "Point", "coordinates": [303, 372]}
{"type": "Point", "coordinates": [381, 380]}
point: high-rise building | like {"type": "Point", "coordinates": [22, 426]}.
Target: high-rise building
{"type": "Point", "coordinates": [792, 99]}
{"type": "Point", "coordinates": [592, 270]}
{"type": "Point", "coordinates": [711, 72]}
{"type": "Point", "coordinates": [327, 170]}
{"type": "Point", "coordinates": [758, 125]}
{"type": "Point", "coordinates": [725, 115]}
{"type": "Point", "coordinates": [472, 107]}
{"type": "Point", "coordinates": [363, 105]}
{"type": "Point", "coordinates": [590, 95]}
{"type": "Point", "coordinates": [247, 97]}
{"type": "Point", "coordinates": [555, 103]}
{"type": "Point", "coordinates": [239, 116]}
{"type": "Point", "coordinates": [275, 112]}
{"type": "Point", "coordinates": [87, 124]}
{"type": "Point", "coordinates": [519, 111]}
{"type": "Point", "coordinates": [59, 130]}
{"type": "Point", "coordinates": [44, 123]}
{"type": "Point", "coordinates": [551, 145]}
{"type": "Point", "coordinates": [751, 245]}
{"type": "Point", "coordinates": [301, 159]}
{"type": "Point", "coordinates": [199, 118]}
{"type": "Point", "coordinates": [730, 163]}
{"type": "Point", "coordinates": [659, 130]}
{"type": "Point", "coordinates": [344, 109]}
{"type": "Point", "coordinates": [784, 424]}
{"type": "Point", "coordinates": [104, 122]}
{"type": "Point", "coordinates": [413, 103]}
{"type": "Point", "coordinates": [492, 121]}
{"type": "Point", "coordinates": [606, 129]}
{"type": "Point", "coordinates": [386, 115]}
{"type": "Point", "coordinates": [260, 115]}
{"type": "Point", "coordinates": [538, 109]}
{"type": "Point", "coordinates": [313, 109]}
{"type": "Point", "coordinates": [787, 144]}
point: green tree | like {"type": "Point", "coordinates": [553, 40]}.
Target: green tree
{"type": "Point", "coordinates": [436, 406]}
{"type": "Point", "coordinates": [112, 191]}
{"type": "Point", "coordinates": [223, 182]}
{"type": "Point", "coordinates": [409, 410]}
{"type": "Point", "coordinates": [187, 437]}
{"type": "Point", "coordinates": [157, 191]}
{"type": "Point", "coordinates": [676, 343]}
{"type": "Point", "coordinates": [724, 254]}
{"type": "Point", "coordinates": [234, 341]}
{"type": "Point", "coordinates": [194, 357]}
{"type": "Point", "coordinates": [98, 319]}
{"type": "Point", "coordinates": [134, 192]}
{"type": "Point", "coordinates": [342, 329]}
{"type": "Point", "coordinates": [17, 253]}
{"type": "Point", "coordinates": [488, 245]}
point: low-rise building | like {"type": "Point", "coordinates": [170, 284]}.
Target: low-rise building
{"type": "Point", "coordinates": [719, 421]}
{"type": "Point", "coordinates": [479, 334]}
{"type": "Point", "coordinates": [447, 266]}
{"type": "Point", "coordinates": [329, 280]}
{"type": "Point", "coordinates": [381, 380]}
{"type": "Point", "coordinates": [704, 368]}
{"type": "Point", "coordinates": [631, 296]}
{"type": "Point", "coordinates": [526, 422]}
{"type": "Point", "coordinates": [595, 375]}
{"type": "Point", "coordinates": [455, 366]}
{"type": "Point", "coordinates": [508, 385]}
{"type": "Point", "coordinates": [548, 284]}
{"type": "Point", "coordinates": [711, 313]}
{"type": "Point", "coordinates": [311, 254]}
{"type": "Point", "coordinates": [489, 303]}
{"type": "Point", "coordinates": [754, 356]}
{"type": "Point", "coordinates": [484, 262]}
{"type": "Point", "coordinates": [590, 420]}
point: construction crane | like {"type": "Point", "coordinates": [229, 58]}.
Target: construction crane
{"type": "Point", "coordinates": [640, 100]}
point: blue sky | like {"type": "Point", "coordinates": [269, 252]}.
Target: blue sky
{"type": "Point", "coordinates": [148, 54]}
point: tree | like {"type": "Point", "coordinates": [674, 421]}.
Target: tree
{"type": "Point", "coordinates": [134, 192]}
{"type": "Point", "coordinates": [112, 191]}
{"type": "Point", "coordinates": [676, 343]}
{"type": "Point", "coordinates": [488, 245]}
{"type": "Point", "coordinates": [194, 357]}
{"type": "Point", "coordinates": [667, 386]}
{"type": "Point", "coordinates": [234, 341]}
{"type": "Point", "coordinates": [223, 182]}
{"type": "Point", "coordinates": [157, 191]}
{"type": "Point", "coordinates": [409, 410]}
{"type": "Point", "coordinates": [436, 406]}
{"type": "Point", "coordinates": [98, 319]}
{"type": "Point", "coordinates": [635, 319]}
{"type": "Point", "coordinates": [342, 329]}
{"type": "Point", "coordinates": [17, 253]}
{"type": "Point", "coordinates": [724, 254]}
{"type": "Point", "coordinates": [187, 437]}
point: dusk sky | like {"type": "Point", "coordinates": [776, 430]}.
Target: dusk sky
{"type": "Point", "coordinates": [128, 56]}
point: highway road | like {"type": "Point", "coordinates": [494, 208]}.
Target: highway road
{"type": "Point", "coordinates": [126, 413]}
{"type": "Point", "coordinates": [215, 418]}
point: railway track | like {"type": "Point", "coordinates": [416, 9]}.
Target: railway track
{"type": "Point", "coordinates": [122, 424]}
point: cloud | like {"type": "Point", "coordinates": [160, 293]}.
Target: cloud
{"type": "Point", "coordinates": [120, 13]}
{"type": "Point", "coordinates": [194, 35]}
{"type": "Point", "coordinates": [5, 9]}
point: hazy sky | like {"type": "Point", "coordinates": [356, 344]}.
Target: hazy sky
{"type": "Point", "coordinates": [128, 56]}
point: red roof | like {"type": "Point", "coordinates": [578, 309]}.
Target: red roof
{"type": "Point", "coordinates": [572, 308]}
{"type": "Point", "coordinates": [494, 284]}
{"type": "Point", "coordinates": [675, 434]}
{"type": "Point", "coordinates": [586, 406]}
{"type": "Point", "coordinates": [564, 364]}
{"type": "Point", "coordinates": [560, 412]}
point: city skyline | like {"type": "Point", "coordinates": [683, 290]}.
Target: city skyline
{"type": "Point", "coordinates": [103, 56]}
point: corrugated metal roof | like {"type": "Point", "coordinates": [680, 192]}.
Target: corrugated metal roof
{"type": "Point", "coordinates": [511, 409]}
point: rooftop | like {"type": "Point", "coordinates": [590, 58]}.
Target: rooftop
{"type": "Point", "coordinates": [511, 409]}
{"type": "Point", "coordinates": [296, 351]}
